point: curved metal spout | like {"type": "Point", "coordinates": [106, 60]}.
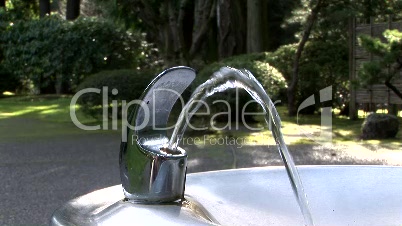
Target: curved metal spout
{"type": "Point", "coordinates": [148, 172]}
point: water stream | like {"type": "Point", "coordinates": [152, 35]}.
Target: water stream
{"type": "Point", "coordinates": [228, 78]}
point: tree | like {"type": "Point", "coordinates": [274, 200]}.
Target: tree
{"type": "Point", "coordinates": [254, 26]}
{"type": "Point", "coordinates": [331, 26]}
{"type": "Point", "coordinates": [292, 88]}
{"type": "Point", "coordinates": [364, 9]}
{"type": "Point", "coordinates": [73, 9]}
{"type": "Point", "coordinates": [179, 28]}
{"type": "Point", "coordinates": [203, 31]}
{"type": "Point", "coordinates": [44, 8]}
{"type": "Point", "coordinates": [231, 26]}
{"type": "Point", "coordinates": [3, 3]}
{"type": "Point", "coordinates": [388, 66]}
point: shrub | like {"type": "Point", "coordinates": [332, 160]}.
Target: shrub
{"type": "Point", "coordinates": [130, 84]}
{"type": "Point", "coordinates": [322, 64]}
{"type": "Point", "coordinates": [52, 52]}
{"type": "Point", "coordinates": [270, 78]}
{"type": "Point", "coordinates": [8, 82]}
{"type": "Point", "coordinates": [257, 64]}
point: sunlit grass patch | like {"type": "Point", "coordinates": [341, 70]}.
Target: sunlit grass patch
{"type": "Point", "coordinates": [7, 93]}
{"type": "Point", "coordinates": [12, 112]}
{"type": "Point", "coordinates": [307, 130]}
{"type": "Point", "coordinates": [48, 107]}
{"type": "Point", "coordinates": [43, 116]}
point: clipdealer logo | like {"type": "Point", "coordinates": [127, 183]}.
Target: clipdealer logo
{"type": "Point", "coordinates": [324, 138]}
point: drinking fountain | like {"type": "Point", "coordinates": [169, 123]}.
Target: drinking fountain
{"type": "Point", "coordinates": [149, 172]}
{"type": "Point", "coordinates": [155, 189]}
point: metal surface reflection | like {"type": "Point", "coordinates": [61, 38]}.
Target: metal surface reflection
{"type": "Point", "coordinates": [149, 173]}
{"type": "Point", "coordinates": [340, 195]}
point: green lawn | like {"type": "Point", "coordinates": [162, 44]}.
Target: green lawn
{"type": "Point", "coordinates": [344, 131]}
{"type": "Point", "coordinates": [40, 117]}
{"type": "Point", "coordinates": [48, 116]}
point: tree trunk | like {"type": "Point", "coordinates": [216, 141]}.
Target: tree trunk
{"type": "Point", "coordinates": [393, 109]}
{"type": "Point", "coordinates": [169, 46]}
{"type": "Point", "coordinates": [59, 84]}
{"type": "Point", "coordinates": [292, 89]}
{"type": "Point", "coordinates": [73, 9]}
{"type": "Point", "coordinates": [265, 29]}
{"type": "Point", "coordinates": [179, 30]}
{"type": "Point", "coordinates": [204, 14]}
{"type": "Point", "coordinates": [173, 33]}
{"type": "Point", "coordinates": [254, 26]}
{"type": "Point", "coordinates": [394, 89]}
{"type": "Point", "coordinates": [231, 28]}
{"type": "Point", "coordinates": [44, 8]}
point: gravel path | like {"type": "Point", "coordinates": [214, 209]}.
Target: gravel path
{"type": "Point", "coordinates": [37, 176]}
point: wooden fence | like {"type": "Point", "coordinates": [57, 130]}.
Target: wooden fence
{"type": "Point", "coordinates": [370, 97]}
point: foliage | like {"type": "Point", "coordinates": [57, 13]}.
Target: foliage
{"type": "Point", "coordinates": [337, 12]}
{"type": "Point", "coordinates": [256, 63]}
{"type": "Point", "coordinates": [322, 64]}
{"type": "Point", "coordinates": [26, 51]}
{"type": "Point", "coordinates": [377, 8]}
{"type": "Point", "coordinates": [334, 15]}
{"type": "Point", "coordinates": [331, 28]}
{"type": "Point", "coordinates": [54, 52]}
{"type": "Point", "coordinates": [269, 76]}
{"type": "Point", "coordinates": [130, 84]}
{"type": "Point", "coordinates": [178, 27]}
{"type": "Point", "coordinates": [15, 10]}
{"type": "Point", "coordinates": [20, 10]}
{"type": "Point", "coordinates": [390, 53]}
{"type": "Point", "coordinates": [282, 59]}
{"type": "Point", "coordinates": [8, 82]}
{"type": "Point", "coordinates": [388, 66]}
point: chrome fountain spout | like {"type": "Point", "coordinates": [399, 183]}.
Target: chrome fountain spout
{"type": "Point", "coordinates": [153, 168]}
{"type": "Point", "coordinates": [149, 172]}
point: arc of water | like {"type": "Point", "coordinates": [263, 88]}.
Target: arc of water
{"type": "Point", "coordinates": [227, 78]}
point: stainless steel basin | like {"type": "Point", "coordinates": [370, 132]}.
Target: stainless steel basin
{"type": "Point", "coordinates": [338, 195]}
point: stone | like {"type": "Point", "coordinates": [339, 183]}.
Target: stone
{"type": "Point", "coordinates": [380, 126]}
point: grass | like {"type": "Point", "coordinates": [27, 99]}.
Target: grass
{"type": "Point", "coordinates": [40, 117]}
{"type": "Point", "coordinates": [344, 132]}
{"type": "Point", "coordinates": [48, 116]}
{"type": "Point", "coordinates": [48, 107]}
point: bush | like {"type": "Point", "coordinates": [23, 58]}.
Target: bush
{"type": "Point", "coordinates": [52, 52]}
{"type": "Point", "coordinates": [268, 76]}
{"type": "Point", "coordinates": [322, 64]}
{"type": "Point", "coordinates": [130, 84]}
